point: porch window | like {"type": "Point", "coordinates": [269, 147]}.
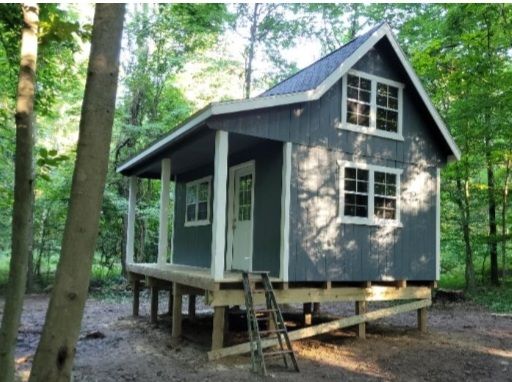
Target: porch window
{"type": "Point", "coordinates": [198, 202]}
{"type": "Point", "coordinates": [369, 194]}
{"type": "Point", "coordinates": [372, 105]}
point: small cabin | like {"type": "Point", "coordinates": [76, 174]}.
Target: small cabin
{"type": "Point", "coordinates": [331, 177]}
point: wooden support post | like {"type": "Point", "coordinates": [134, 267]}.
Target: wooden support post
{"type": "Point", "coordinates": [219, 321]}
{"type": "Point", "coordinates": [176, 312]}
{"type": "Point", "coordinates": [169, 304]}
{"type": "Point", "coordinates": [154, 305]}
{"type": "Point", "coordinates": [308, 319]}
{"type": "Point", "coordinates": [361, 308]}
{"type": "Point", "coordinates": [136, 297]}
{"type": "Point", "coordinates": [192, 306]}
{"type": "Point", "coordinates": [130, 229]}
{"type": "Point", "coordinates": [163, 236]}
{"type": "Point", "coordinates": [422, 320]}
{"type": "Point", "coordinates": [220, 180]}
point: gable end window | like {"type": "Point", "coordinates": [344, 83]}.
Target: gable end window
{"type": "Point", "coordinates": [372, 105]}
{"type": "Point", "coordinates": [197, 209]}
{"type": "Point", "coordinates": [369, 195]}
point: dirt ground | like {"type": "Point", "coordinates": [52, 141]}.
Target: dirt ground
{"type": "Point", "coordinates": [464, 343]}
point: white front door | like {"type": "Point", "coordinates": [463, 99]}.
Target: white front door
{"type": "Point", "coordinates": [242, 201]}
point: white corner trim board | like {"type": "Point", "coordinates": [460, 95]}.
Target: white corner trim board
{"type": "Point", "coordinates": [220, 179]}
{"type": "Point", "coordinates": [285, 211]}
{"type": "Point", "coordinates": [219, 108]}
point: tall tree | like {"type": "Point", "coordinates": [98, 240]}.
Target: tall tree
{"type": "Point", "coordinates": [23, 192]}
{"type": "Point", "coordinates": [268, 29]}
{"type": "Point", "coordinates": [55, 354]}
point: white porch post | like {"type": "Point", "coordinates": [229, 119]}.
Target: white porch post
{"type": "Point", "coordinates": [285, 211]}
{"type": "Point", "coordinates": [220, 177]}
{"type": "Point", "coordinates": [163, 237]}
{"type": "Point", "coordinates": [130, 230]}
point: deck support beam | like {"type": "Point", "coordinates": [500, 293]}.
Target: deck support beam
{"type": "Point", "coordinates": [169, 304]}
{"type": "Point", "coordinates": [130, 229]}
{"type": "Point", "coordinates": [219, 326]}
{"type": "Point", "coordinates": [163, 236]}
{"type": "Point", "coordinates": [154, 305]}
{"type": "Point", "coordinates": [176, 311]}
{"type": "Point", "coordinates": [308, 318]}
{"type": "Point", "coordinates": [422, 320]}
{"type": "Point", "coordinates": [220, 179]}
{"type": "Point", "coordinates": [136, 297]}
{"type": "Point", "coordinates": [323, 328]}
{"type": "Point", "coordinates": [361, 308]}
{"type": "Point", "coordinates": [191, 306]}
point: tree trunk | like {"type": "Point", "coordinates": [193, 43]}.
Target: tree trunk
{"type": "Point", "coordinates": [493, 243]}
{"type": "Point", "coordinates": [504, 230]}
{"type": "Point", "coordinates": [54, 357]}
{"type": "Point", "coordinates": [23, 191]}
{"type": "Point", "coordinates": [250, 52]}
{"type": "Point", "coordinates": [463, 204]}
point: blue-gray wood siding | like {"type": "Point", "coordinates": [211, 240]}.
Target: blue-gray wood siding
{"type": "Point", "coordinates": [192, 245]}
{"type": "Point", "coordinates": [321, 248]}
{"type": "Point", "coordinates": [324, 248]}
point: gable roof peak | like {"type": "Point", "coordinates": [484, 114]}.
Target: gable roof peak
{"type": "Point", "coordinates": [312, 75]}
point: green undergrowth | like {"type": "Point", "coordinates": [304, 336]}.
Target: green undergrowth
{"type": "Point", "coordinates": [496, 299]}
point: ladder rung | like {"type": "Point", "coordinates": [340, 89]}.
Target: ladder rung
{"type": "Point", "coordinates": [264, 310]}
{"type": "Point", "coordinates": [276, 353]}
{"type": "Point", "coordinates": [259, 291]}
{"type": "Point", "coordinates": [272, 331]}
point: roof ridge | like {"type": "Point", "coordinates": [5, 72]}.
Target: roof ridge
{"type": "Point", "coordinates": [364, 35]}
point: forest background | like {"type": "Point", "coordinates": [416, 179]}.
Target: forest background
{"type": "Point", "coordinates": [177, 58]}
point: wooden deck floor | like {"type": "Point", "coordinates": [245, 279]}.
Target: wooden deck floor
{"type": "Point", "coordinates": [187, 275]}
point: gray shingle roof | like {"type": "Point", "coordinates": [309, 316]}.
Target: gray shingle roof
{"type": "Point", "coordinates": [313, 75]}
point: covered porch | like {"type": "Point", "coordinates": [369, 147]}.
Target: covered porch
{"type": "Point", "coordinates": [229, 205]}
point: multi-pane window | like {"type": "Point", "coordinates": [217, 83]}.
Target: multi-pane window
{"type": "Point", "coordinates": [385, 195]}
{"type": "Point", "coordinates": [198, 202]}
{"type": "Point", "coordinates": [245, 197]}
{"type": "Point", "coordinates": [359, 92]}
{"type": "Point", "coordinates": [369, 194]}
{"type": "Point", "coordinates": [387, 107]}
{"type": "Point", "coordinates": [356, 192]}
{"type": "Point", "coordinates": [372, 105]}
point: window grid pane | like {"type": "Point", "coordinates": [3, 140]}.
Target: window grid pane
{"type": "Point", "coordinates": [358, 100]}
{"type": "Point", "coordinates": [197, 200]}
{"type": "Point", "coordinates": [245, 197]}
{"type": "Point", "coordinates": [387, 108]}
{"type": "Point", "coordinates": [356, 192]}
{"type": "Point", "coordinates": [385, 195]}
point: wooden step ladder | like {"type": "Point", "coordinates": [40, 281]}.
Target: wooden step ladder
{"type": "Point", "coordinates": [271, 314]}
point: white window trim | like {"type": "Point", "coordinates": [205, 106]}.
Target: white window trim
{"type": "Point", "coordinates": [372, 130]}
{"type": "Point", "coordinates": [371, 220]}
{"type": "Point", "coordinates": [206, 221]}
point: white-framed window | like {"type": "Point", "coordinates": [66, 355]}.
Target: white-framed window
{"type": "Point", "coordinates": [197, 205]}
{"type": "Point", "coordinates": [372, 105]}
{"type": "Point", "coordinates": [369, 194]}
